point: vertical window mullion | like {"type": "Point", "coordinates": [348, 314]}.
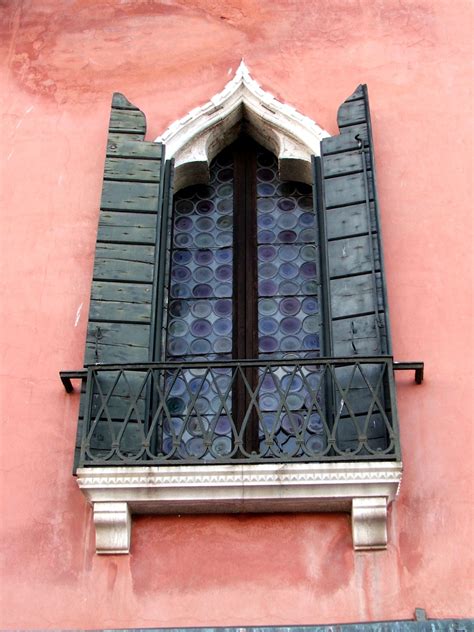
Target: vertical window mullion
{"type": "Point", "coordinates": [245, 283]}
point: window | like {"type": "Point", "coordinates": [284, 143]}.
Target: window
{"type": "Point", "coordinates": [243, 285]}
{"type": "Point", "coordinates": [245, 324]}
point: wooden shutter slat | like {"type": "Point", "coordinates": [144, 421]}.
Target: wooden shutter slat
{"type": "Point", "coordinates": [348, 221]}
{"type": "Point", "coordinates": [127, 196]}
{"type": "Point", "coordinates": [118, 342]}
{"type": "Point", "coordinates": [120, 146]}
{"type": "Point", "coordinates": [352, 113]}
{"type": "Point", "coordinates": [346, 141]}
{"type": "Point", "coordinates": [352, 255]}
{"type": "Point", "coordinates": [130, 169]}
{"type": "Point", "coordinates": [121, 227]}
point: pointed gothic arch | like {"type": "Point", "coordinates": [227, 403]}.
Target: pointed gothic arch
{"type": "Point", "coordinates": [194, 140]}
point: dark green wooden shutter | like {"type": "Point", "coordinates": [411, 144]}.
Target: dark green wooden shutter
{"type": "Point", "coordinates": [358, 322]}
{"type": "Point", "coordinates": [121, 326]}
{"type": "Point", "coordinates": [355, 306]}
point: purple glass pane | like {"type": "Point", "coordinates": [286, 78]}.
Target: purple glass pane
{"type": "Point", "coordinates": [266, 221]}
{"type": "Point", "coordinates": [268, 326]}
{"type": "Point", "coordinates": [308, 270]}
{"type": "Point", "coordinates": [181, 257]}
{"type": "Point", "coordinates": [180, 273]}
{"type": "Point", "coordinates": [201, 328]}
{"type": "Point", "coordinates": [290, 325]}
{"type": "Point", "coordinates": [223, 255]}
{"type": "Point", "coordinates": [267, 287]}
{"type": "Point", "coordinates": [292, 423]}
{"type": "Point", "coordinates": [310, 305]}
{"type": "Point", "coordinates": [266, 236]}
{"type": "Point", "coordinates": [183, 224]}
{"type": "Point", "coordinates": [291, 383]}
{"type": "Point", "coordinates": [223, 307]}
{"type": "Point", "coordinates": [223, 425]}
{"type": "Point", "coordinates": [289, 306]}
{"type": "Point", "coordinates": [268, 344]}
{"type": "Point", "coordinates": [202, 290]}
{"type": "Point", "coordinates": [223, 326]}
{"type": "Point", "coordinates": [307, 220]}
{"type": "Point", "coordinates": [311, 341]}
{"type": "Point", "coordinates": [266, 253]}
{"type": "Point", "coordinates": [287, 236]}
{"type": "Point", "coordinates": [288, 270]}
{"type": "Point", "coordinates": [223, 273]}
{"type": "Point", "coordinates": [203, 257]}
{"type": "Point", "coordinates": [286, 204]}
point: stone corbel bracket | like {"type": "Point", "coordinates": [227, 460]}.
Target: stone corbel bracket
{"type": "Point", "coordinates": [195, 139]}
{"type": "Point", "coordinates": [365, 489]}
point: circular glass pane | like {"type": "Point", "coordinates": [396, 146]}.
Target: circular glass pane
{"type": "Point", "coordinates": [267, 307]}
{"type": "Point", "coordinates": [203, 257]}
{"type": "Point", "coordinates": [201, 309]}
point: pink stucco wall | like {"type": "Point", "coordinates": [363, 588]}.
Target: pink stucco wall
{"type": "Point", "coordinates": [60, 63]}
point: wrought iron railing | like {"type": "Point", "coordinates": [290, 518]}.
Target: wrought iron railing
{"type": "Point", "coordinates": [325, 409]}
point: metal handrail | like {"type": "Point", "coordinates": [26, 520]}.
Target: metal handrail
{"type": "Point", "coordinates": [181, 412]}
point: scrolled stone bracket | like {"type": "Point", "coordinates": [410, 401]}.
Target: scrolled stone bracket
{"type": "Point", "coordinates": [369, 523]}
{"type": "Point", "coordinates": [364, 489]}
{"type": "Point", "coordinates": [113, 527]}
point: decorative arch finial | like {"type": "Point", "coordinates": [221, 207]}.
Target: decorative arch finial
{"type": "Point", "coordinates": [242, 105]}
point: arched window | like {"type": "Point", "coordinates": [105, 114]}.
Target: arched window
{"type": "Point", "coordinates": [243, 324]}
{"type": "Point", "coordinates": [208, 316]}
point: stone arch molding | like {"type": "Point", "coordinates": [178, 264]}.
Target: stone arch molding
{"type": "Point", "coordinates": [242, 105]}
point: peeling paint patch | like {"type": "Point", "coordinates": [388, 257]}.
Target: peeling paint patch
{"type": "Point", "coordinates": [78, 315]}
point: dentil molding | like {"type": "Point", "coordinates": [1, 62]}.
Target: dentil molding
{"type": "Point", "coordinates": [365, 489]}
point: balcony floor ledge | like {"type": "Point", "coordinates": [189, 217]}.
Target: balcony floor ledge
{"type": "Point", "coordinates": [364, 488]}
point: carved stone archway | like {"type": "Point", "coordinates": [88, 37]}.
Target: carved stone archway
{"type": "Point", "coordinates": [242, 105]}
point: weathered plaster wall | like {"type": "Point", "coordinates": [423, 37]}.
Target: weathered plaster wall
{"type": "Point", "coordinates": [61, 62]}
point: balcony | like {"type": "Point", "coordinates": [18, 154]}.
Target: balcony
{"type": "Point", "coordinates": [240, 435]}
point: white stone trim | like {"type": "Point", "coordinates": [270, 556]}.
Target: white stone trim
{"type": "Point", "coordinates": [195, 139]}
{"type": "Point", "coordinates": [113, 527]}
{"type": "Point", "coordinates": [364, 488]}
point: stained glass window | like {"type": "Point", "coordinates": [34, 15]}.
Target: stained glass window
{"type": "Point", "coordinates": [243, 284]}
